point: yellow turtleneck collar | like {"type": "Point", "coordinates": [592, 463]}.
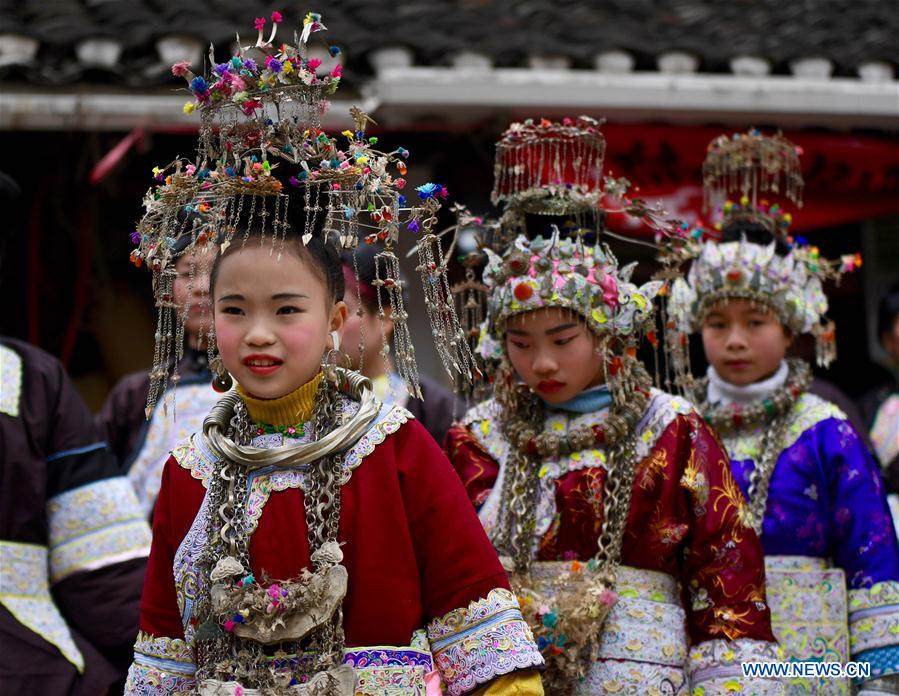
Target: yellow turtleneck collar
{"type": "Point", "coordinates": [290, 409]}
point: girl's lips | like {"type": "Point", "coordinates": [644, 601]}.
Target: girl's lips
{"type": "Point", "coordinates": [549, 386]}
{"type": "Point", "coordinates": [737, 364]}
{"type": "Point", "coordinates": [262, 364]}
{"type": "Point", "coordinates": [260, 370]}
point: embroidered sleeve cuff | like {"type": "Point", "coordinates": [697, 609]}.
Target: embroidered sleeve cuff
{"type": "Point", "coordinates": [874, 627]}
{"type": "Point", "coordinates": [162, 666]}
{"type": "Point", "coordinates": [486, 640]}
{"type": "Point", "coordinates": [713, 667]}
{"type": "Point", "coordinates": [95, 526]}
{"type": "Point", "coordinates": [26, 595]}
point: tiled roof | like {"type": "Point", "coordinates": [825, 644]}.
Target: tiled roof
{"type": "Point", "coordinates": [118, 41]}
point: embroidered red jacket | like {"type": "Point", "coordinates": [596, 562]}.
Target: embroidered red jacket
{"type": "Point", "coordinates": [414, 549]}
{"type": "Point", "coordinates": [686, 517]}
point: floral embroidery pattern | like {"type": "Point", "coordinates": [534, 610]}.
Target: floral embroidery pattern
{"type": "Point", "coordinates": [713, 667]}
{"type": "Point", "coordinates": [874, 617]}
{"type": "Point", "coordinates": [653, 469]}
{"type": "Point", "coordinates": [162, 666]}
{"type": "Point", "coordinates": [95, 526]}
{"type": "Point", "coordinates": [647, 623]}
{"type": "Point", "coordinates": [808, 615]}
{"type": "Point", "coordinates": [25, 592]}
{"type": "Point", "coordinates": [729, 500]}
{"type": "Point", "coordinates": [10, 381]}
{"type": "Point", "coordinates": [486, 640]}
{"type": "Point", "coordinates": [188, 582]}
{"type": "Point", "coordinates": [695, 481]}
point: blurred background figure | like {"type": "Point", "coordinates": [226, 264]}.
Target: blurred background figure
{"type": "Point", "coordinates": [880, 406]}
{"type": "Point", "coordinates": [141, 441]}
{"type": "Point", "coordinates": [437, 408]}
{"type": "Point", "coordinates": [73, 541]}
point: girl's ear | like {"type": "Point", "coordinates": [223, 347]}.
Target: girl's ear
{"type": "Point", "coordinates": [789, 336]}
{"type": "Point", "coordinates": [338, 317]}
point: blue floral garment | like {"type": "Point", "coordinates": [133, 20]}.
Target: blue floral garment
{"type": "Point", "coordinates": [827, 499]}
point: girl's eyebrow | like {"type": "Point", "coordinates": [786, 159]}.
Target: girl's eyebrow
{"type": "Point", "coordinates": [560, 328]}
{"type": "Point", "coordinates": [290, 296]}
{"type": "Point", "coordinates": [548, 332]}
{"type": "Point", "coordinates": [231, 298]}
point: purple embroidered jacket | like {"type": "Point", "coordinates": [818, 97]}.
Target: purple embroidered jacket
{"type": "Point", "coordinates": [827, 500]}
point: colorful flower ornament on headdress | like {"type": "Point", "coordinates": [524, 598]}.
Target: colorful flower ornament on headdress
{"type": "Point", "coordinates": [544, 273]}
{"type": "Point", "coordinates": [789, 284]}
{"type": "Point", "coordinates": [553, 168]}
{"type": "Point", "coordinates": [260, 143]}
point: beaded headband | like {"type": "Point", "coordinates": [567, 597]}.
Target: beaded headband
{"type": "Point", "coordinates": [260, 145]}
{"type": "Point", "coordinates": [543, 273]}
{"type": "Point", "coordinates": [791, 285]}
{"type": "Point", "coordinates": [547, 168]}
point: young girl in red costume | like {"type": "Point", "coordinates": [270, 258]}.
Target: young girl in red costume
{"type": "Point", "coordinates": [611, 500]}
{"type": "Point", "coordinates": [300, 542]}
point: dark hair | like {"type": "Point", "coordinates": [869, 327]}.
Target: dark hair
{"type": "Point", "coordinates": [588, 222]}
{"type": "Point", "coordinates": [887, 311]}
{"type": "Point", "coordinates": [320, 256]}
{"type": "Point", "coordinates": [753, 232]}
{"type": "Point", "coordinates": [11, 205]}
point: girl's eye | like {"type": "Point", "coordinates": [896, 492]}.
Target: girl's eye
{"type": "Point", "coordinates": [231, 310]}
{"type": "Point", "coordinates": [715, 325]}
{"type": "Point", "coordinates": [288, 310]}
{"type": "Point", "coordinates": [756, 322]}
{"type": "Point", "coordinates": [519, 345]}
{"type": "Point", "coordinates": [563, 341]}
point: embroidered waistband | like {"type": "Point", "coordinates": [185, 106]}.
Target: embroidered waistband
{"type": "Point", "coordinates": [801, 563]}
{"type": "Point", "coordinates": [631, 583]}
{"type": "Point", "coordinates": [646, 623]}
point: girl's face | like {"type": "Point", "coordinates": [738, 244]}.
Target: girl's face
{"type": "Point", "coordinates": [743, 344]}
{"type": "Point", "coordinates": [197, 294]}
{"type": "Point", "coordinates": [273, 318]}
{"type": "Point", "coordinates": [368, 327]}
{"type": "Point", "coordinates": [554, 353]}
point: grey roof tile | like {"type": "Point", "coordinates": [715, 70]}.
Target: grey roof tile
{"type": "Point", "coordinates": [849, 32]}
